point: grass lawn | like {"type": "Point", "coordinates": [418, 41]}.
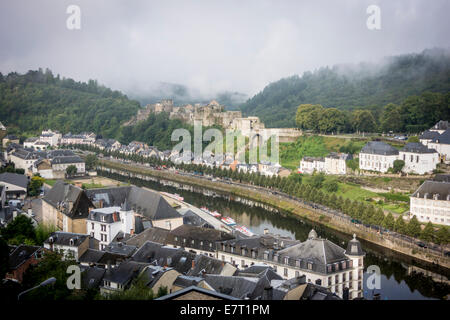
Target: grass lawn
{"type": "Point", "coordinates": [353, 191]}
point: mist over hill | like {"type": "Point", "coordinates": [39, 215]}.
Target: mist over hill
{"type": "Point", "coordinates": [363, 85]}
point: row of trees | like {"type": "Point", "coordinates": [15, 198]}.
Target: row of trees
{"type": "Point", "coordinates": [317, 190]}
{"type": "Point", "coordinates": [414, 114]}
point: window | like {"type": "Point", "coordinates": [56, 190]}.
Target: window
{"type": "Point", "coordinates": [285, 272]}
{"type": "Point", "coordinates": [192, 242]}
{"type": "Point", "coordinates": [286, 260]}
{"type": "Point", "coordinates": [242, 263]}
{"type": "Point", "coordinates": [92, 226]}
{"type": "Point", "coordinates": [330, 281]}
{"type": "Point", "coordinates": [266, 255]}
{"type": "Point", "coordinates": [176, 238]}
{"type": "Point", "coordinates": [336, 279]}
{"type": "Point", "coordinates": [297, 273]}
{"type": "Point", "coordinates": [297, 263]}
{"type": "Point", "coordinates": [275, 257]}
{"type": "Point", "coordinates": [103, 227]}
{"type": "Point", "coordinates": [310, 265]}
{"type": "Point", "coordinates": [344, 277]}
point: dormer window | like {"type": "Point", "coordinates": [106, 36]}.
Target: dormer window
{"type": "Point", "coordinates": [310, 265]}
{"type": "Point", "coordinates": [275, 257]}
{"type": "Point", "coordinates": [286, 260]}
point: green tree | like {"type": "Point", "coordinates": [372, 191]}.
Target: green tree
{"type": "Point", "coordinates": [443, 236]}
{"type": "Point", "coordinates": [35, 186]}
{"type": "Point", "coordinates": [427, 233]}
{"type": "Point", "coordinates": [91, 161]}
{"type": "Point", "coordinates": [389, 221]}
{"type": "Point", "coordinates": [400, 225]}
{"type": "Point", "coordinates": [19, 230]}
{"type": "Point", "coordinates": [317, 180]}
{"type": "Point", "coordinates": [391, 119]}
{"type": "Point", "coordinates": [398, 166]}
{"type": "Point", "coordinates": [308, 116]}
{"type": "Point", "coordinates": [413, 229]}
{"type": "Point", "coordinates": [363, 121]}
{"type": "Point", "coordinates": [71, 171]}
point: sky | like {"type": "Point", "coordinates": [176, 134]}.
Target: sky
{"type": "Point", "coordinates": [210, 45]}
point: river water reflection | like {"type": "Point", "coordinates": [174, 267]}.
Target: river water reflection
{"type": "Point", "coordinates": [401, 276]}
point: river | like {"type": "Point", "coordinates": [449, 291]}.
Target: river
{"type": "Point", "coordinates": [402, 277]}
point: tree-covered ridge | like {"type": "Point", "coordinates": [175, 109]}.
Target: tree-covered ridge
{"type": "Point", "coordinates": [414, 114]}
{"type": "Point", "coordinates": [352, 87]}
{"type": "Point", "coordinates": [38, 100]}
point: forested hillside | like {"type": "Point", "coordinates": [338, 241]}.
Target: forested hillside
{"type": "Point", "coordinates": [353, 87]}
{"type": "Point", "coordinates": [38, 100]}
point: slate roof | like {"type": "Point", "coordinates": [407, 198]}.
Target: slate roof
{"type": "Point", "coordinates": [125, 272]}
{"type": "Point", "coordinates": [63, 238]}
{"type": "Point", "coordinates": [19, 180]}
{"type": "Point", "coordinates": [148, 203]}
{"type": "Point", "coordinates": [120, 248]}
{"type": "Point", "coordinates": [191, 218]}
{"type": "Point", "coordinates": [191, 232]}
{"type": "Point", "coordinates": [91, 256]}
{"type": "Point", "coordinates": [354, 247]}
{"type": "Point", "coordinates": [235, 286]}
{"type": "Point", "coordinates": [442, 177]}
{"type": "Point", "coordinates": [158, 254]}
{"type": "Point", "coordinates": [417, 147]}
{"type": "Point", "coordinates": [105, 215]}
{"type": "Point", "coordinates": [66, 160]}
{"type": "Point", "coordinates": [180, 293]}
{"type": "Point", "coordinates": [441, 125]}
{"type": "Point", "coordinates": [444, 138]}
{"type": "Point", "coordinates": [429, 135]}
{"type": "Point", "coordinates": [151, 234]}
{"type": "Point", "coordinates": [187, 281]}
{"type": "Point", "coordinates": [21, 254]}
{"type": "Point", "coordinates": [320, 252]}
{"type": "Point", "coordinates": [431, 188]}
{"type": "Point", "coordinates": [380, 148]}
{"type": "Point", "coordinates": [61, 194]}
{"type": "Point", "coordinates": [209, 265]}
{"type": "Point", "coordinates": [92, 277]}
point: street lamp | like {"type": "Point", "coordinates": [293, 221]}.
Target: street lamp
{"type": "Point", "coordinates": [42, 284]}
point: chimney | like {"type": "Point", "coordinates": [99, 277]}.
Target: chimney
{"type": "Point", "coordinates": [100, 202]}
{"type": "Point", "coordinates": [193, 264]}
{"type": "Point", "coordinates": [266, 231]}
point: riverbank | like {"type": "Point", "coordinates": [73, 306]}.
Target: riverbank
{"type": "Point", "coordinates": [283, 203]}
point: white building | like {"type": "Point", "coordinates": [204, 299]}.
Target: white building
{"type": "Point", "coordinates": [431, 202]}
{"type": "Point", "coordinates": [418, 158]}
{"type": "Point", "coordinates": [442, 145]}
{"type": "Point", "coordinates": [23, 159]}
{"type": "Point", "coordinates": [105, 223]}
{"type": "Point", "coordinates": [377, 156]}
{"type": "Point", "coordinates": [321, 261]}
{"type": "Point", "coordinates": [428, 136]}
{"type": "Point", "coordinates": [53, 138]}
{"type": "Point", "coordinates": [63, 162]}
{"type": "Point", "coordinates": [335, 163]}
{"type": "Point", "coordinates": [70, 245]}
{"type": "Point", "coordinates": [310, 164]}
